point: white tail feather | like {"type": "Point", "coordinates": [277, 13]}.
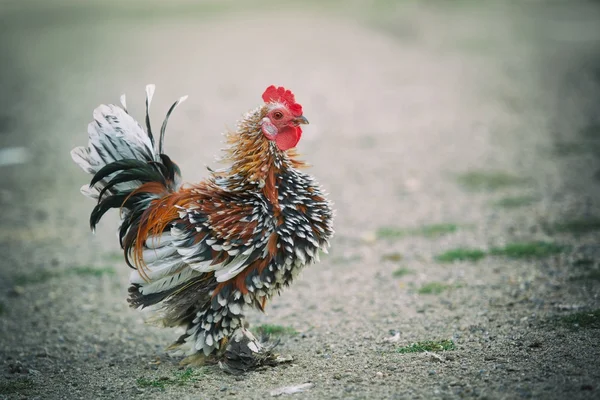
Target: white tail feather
{"type": "Point", "coordinates": [123, 100]}
{"type": "Point", "coordinates": [157, 271]}
{"type": "Point", "coordinates": [168, 282]}
{"type": "Point", "coordinates": [149, 95]}
{"type": "Point", "coordinates": [163, 128]}
{"type": "Point", "coordinates": [114, 135]}
{"type": "Point", "coordinates": [157, 241]}
{"type": "Point", "coordinates": [152, 255]}
{"type": "Point", "coordinates": [236, 266]}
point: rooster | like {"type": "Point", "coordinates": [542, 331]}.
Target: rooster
{"type": "Point", "coordinates": [201, 254]}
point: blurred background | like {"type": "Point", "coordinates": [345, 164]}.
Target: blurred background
{"type": "Point", "coordinates": [435, 126]}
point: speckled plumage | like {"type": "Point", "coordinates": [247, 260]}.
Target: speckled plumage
{"type": "Point", "coordinates": [205, 253]}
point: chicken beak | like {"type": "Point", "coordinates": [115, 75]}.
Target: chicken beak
{"type": "Point", "coordinates": [301, 120]}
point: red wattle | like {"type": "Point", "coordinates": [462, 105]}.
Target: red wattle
{"type": "Point", "coordinates": [288, 137]}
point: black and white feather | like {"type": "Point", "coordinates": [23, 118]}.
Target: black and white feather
{"type": "Point", "coordinates": [122, 156]}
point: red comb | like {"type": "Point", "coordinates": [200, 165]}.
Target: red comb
{"type": "Point", "coordinates": [281, 95]}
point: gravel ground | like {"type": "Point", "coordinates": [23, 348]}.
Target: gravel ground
{"type": "Point", "coordinates": [433, 128]}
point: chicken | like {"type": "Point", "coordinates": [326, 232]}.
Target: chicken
{"type": "Point", "coordinates": [201, 254]}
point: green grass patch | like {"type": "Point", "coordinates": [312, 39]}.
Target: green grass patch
{"type": "Point", "coordinates": [180, 378]}
{"type": "Point", "coordinates": [13, 386]}
{"type": "Point", "coordinates": [390, 233]}
{"type": "Point", "coordinates": [275, 330]}
{"type": "Point", "coordinates": [45, 275]}
{"type": "Point", "coordinates": [591, 131]}
{"type": "Point", "coordinates": [428, 231]}
{"type": "Point", "coordinates": [591, 276]}
{"type": "Point", "coordinates": [32, 279]}
{"type": "Point", "coordinates": [346, 259]}
{"type": "Point", "coordinates": [515, 202]}
{"type": "Point", "coordinates": [400, 272]}
{"type": "Point", "coordinates": [578, 226]}
{"type": "Point", "coordinates": [90, 271]}
{"type": "Point", "coordinates": [393, 257]}
{"type": "Point", "coordinates": [460, 254]}
{"type": "Point", "coordinates": [584, 319]}
{"type": "Point", "coordinates": [114, 256]}
{"type": "Point", "coordinates": [157, 383]}
{"type": "Point", "coordinates": [584, 263]}
{"type": "Point", "coordinates": [566, 149]}
{"type": "Point", "coordinates": [482, 180]}
{"type": "Point", "coordinates": [428, 345]}
{"type": "Point", "coordinates": [528, 250]}
{"type": "Point", "coordinates": [433, 288]}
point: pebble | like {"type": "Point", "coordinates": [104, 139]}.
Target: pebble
{"type": "Point", "coordinates": [17, 291]}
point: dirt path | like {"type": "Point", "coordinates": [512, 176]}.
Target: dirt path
{"type": "Point", "coordinates": [460, 145]}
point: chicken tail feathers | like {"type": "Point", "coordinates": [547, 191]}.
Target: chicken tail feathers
{"type": "Point", "coordinates": [129, 169]}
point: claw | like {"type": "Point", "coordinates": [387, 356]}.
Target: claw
{"type": "Point", "coordinates": [195, 360]}
{"type": "Point", "coordinates": [248, 353]}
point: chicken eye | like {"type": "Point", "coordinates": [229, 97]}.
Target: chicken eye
{"type": "Point", "coordinates": [277, 115]}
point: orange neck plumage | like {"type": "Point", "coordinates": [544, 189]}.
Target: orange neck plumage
{"type": "Point", "coordinates": [255, 161]}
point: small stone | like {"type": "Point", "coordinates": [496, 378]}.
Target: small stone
{"type": "Point", "coordinates": [291, 389]}
{"type": "Point", "coordinates": [369, 237]}
{"type": "Point", "coordinates": [17, 368]}
{"type": "Point", "coordinates": [337, 376]}
{"type": "Point", "coordinates": [435, 357]}
{"type": "Point", "coordinates": [284, 359]}
{"type": "Point", "coordinates": [17, 291]}
{"type": "Point", "coordinates": [431, 372]}
{"type": "Point", "coordinates": [379, 374]}
{"type": "Point", "coordinates": [393, 339]}
{"type": "Point", "coordinates": [587, 387]}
